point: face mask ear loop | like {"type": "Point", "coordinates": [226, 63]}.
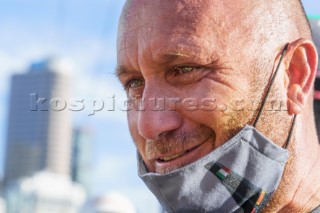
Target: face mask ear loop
{"type": "Point", "coordinates": [285, 146]}
{"type": "Point", "coordinates": [270, 85]}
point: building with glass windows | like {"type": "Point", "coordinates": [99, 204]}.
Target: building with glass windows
{"type": "Point", "coordinates": [39, 126]}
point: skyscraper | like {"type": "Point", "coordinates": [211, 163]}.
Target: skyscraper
{"type": "Point", "coordinates": [81, 156]}
{"type": "Point", "coordinates": [315, 25]}
{"type": "Point", "coordinates": [39, 129]}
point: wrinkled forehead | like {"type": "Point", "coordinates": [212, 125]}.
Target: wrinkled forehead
{"type": "Point", "coordinates": [207, 28]}
{"type": "Point", "coordinates": [150, 11]}
{"type": "Point", "coordinates": [163, 17]}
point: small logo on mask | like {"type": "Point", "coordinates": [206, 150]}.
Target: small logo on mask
{"type": "Point", "coordinates": [250, 198]}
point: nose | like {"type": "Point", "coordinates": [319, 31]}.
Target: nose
{"type": "Point", "coordinates": [158, 116]}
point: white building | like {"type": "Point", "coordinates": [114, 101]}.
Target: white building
{"type": "Point", "coordinates": [45, 192]}
{"type": "Point", "coordinates": [110, 203]}
{"type": "Point", "coordinates": [39, 132]}
{"type": "Point", "coordinates": [2, 206]}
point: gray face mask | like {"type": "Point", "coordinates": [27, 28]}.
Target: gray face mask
{"type": "Point", "coordinates": [239, 176]}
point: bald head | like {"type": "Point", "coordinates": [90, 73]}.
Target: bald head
{"type": "Point", "coordinates": [296, 12]}
{"type": "Point", "coordinates": [282, 20]}
{"type": "Point", "coordinates": [229, 27]}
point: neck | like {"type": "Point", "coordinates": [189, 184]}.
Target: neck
{"type": "Point", "coordinates": [306, 149]}
{"type": "Point", "coordinates": [299, 189]}
{"type": "Point", "coordinates": [307, 195]}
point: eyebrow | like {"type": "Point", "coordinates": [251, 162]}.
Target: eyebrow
{"type": "Point", "coordinates": [166, 58]}
{"type": "Point", "coordinates": [172, 56]}
{"type": "Point", "coordinates": [121, 70]}
{"type": "Point", "coordinates": [175, 55]}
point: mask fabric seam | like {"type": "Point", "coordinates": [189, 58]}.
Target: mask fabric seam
{"type": "Point", "coordinates": [281, 162]}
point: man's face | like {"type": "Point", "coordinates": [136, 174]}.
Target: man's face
{"type": "Point", "coordinates": [196, 61]}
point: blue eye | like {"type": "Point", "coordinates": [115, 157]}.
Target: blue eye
{"type": "Point", "coordinates": [185, 70]}
{"type": "Point", "coordinates": [187, 74]}
{"type": "Point", "coordinates": [134, 83]}
{"type": "Point", "coordinates": [134, 87]}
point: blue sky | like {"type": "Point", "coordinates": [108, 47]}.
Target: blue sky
{"type": "Point", "coordinates": [83, 32]}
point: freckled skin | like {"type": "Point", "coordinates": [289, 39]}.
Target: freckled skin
{"type": "Point", "coordinates": [236, 54]}
{"type": "Point", "coordinates": [189, 34]}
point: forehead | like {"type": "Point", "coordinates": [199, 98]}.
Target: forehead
{"type": "Point", "coordinates": [199, 24]}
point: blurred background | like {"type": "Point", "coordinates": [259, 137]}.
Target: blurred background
{"type": "Point", "coordinates": [64, 141]}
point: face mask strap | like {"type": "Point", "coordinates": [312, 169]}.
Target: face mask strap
{"type": "Point", "coordinates": [267, 94]}
{"type": "Point", "coordinates": [285, 146]}
{"type": "Point", "coordinates": [270, 85]}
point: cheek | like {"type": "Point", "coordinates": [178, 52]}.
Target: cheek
{"type": "Point", "coordinates": [216, 108]}
{"type": "Point", "coordinates": [205, 102]}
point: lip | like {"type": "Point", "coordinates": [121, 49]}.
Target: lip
{"type": "Point", "coordinates": [188, 157]}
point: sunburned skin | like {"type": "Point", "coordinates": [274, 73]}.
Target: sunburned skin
{"type": "Point", "coordinates": [221, 50]}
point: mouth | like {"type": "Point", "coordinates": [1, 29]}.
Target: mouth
{"type": "Point", "coordinates": [167, 164]}
{"type": "Point", "coordinates": [173, 157]}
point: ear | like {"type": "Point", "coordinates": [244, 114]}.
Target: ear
{"type": "Point", "coordinates": [302, 62]}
